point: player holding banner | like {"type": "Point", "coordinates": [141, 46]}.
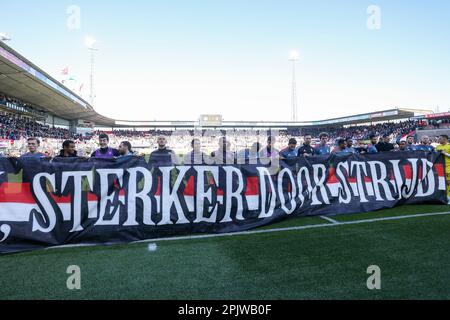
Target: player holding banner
{"type": "Point", "coordinates": [444, 148]}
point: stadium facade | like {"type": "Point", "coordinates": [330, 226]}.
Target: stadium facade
{"type": "Point", "coordinates": [54, 104]}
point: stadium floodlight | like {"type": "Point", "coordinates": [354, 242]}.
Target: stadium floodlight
{"type": "Point", "coordinates": [294, 56]}
{"type": "Point", "coordinates": [90, 42]}
{"type": "Point", "coordinates": [4, 37]}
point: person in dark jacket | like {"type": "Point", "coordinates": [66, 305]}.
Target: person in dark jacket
{"type": "Point", "coordinates": [163, 156]}
{"type": "Point", "coordinates": [68, 150]}
{"type": "Point", "coordinates": [385, 145]}
{"type": "Point", "coordinates": [306, 150]}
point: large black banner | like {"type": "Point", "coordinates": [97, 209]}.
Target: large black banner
{"type": "Point", "coordinates": [76, 201]}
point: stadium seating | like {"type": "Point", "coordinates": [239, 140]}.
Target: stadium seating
{"type": "Point", "coordinates": [18, 125]}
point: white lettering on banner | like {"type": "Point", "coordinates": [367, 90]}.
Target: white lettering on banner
{"type": "Point", "coordinates": [77, 194]}
{"type": "Point", "coordinates": [172, 198]}
{"type": "Point", "coordinates": [303, 172]}
{"type": "Point", "coordinates": [6, 230]}
{"type": "Point", "coordinates": [428, 178]}
{"type": "Point", "coordinates": [360, 168]}
{"type": "Point", "coordinates": [407, 186]}
{"type": "Point", "coordinates": [236, 194]}
{"type": "Point", "coordinates": [380, 180]}
{"type": "Point", "coordinates": [144, 195]}
{"type": "Point", "coordinates": [202, 194]}
{"type": "Point", "coordinates": [266, 212]}
{"type": "Point", "coordinates": [398, 178]}
{"type": "Point", "coordinates": [47, 213]}
{"type": "Point", "coordinates": [292, 192]}
{"type": "Point", "coordinates": [319, 171]}
{"type": "Point", "coordinates": [410, 186]}
{"type": "Point", "coordinates": [344, 188]}
{"type": "Point", "coordinates": [108, 199]}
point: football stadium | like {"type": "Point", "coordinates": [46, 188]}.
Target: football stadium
{"type": "Point", "coordinates": [353, 207]}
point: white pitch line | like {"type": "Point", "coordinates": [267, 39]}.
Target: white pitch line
{"type": "Point", "coordinates": [329, 219]}
{"type": "Point", "coordinates": [245, 233]}
{"type": "Point", "coordinates": [312, 226]}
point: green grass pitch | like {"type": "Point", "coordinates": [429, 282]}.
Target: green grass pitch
{"type": "Point", "coordinates": [315, 263]}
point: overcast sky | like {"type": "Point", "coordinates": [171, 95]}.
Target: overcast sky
{"type": "Point", "coordinates": [175, 60]}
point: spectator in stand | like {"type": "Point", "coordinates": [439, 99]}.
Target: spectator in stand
{"type": "Point", "coordinates": [306, 150]}
{"type": "Point", "coordinates": [410, 143]}
{"type": "Point", "coordinates": [68, 150]}
{"type": "Point", "coordinates": [163, 156]}
{"type": "Point", "coordinates": [105, 152]}
{"type": "Point", "coordinates": [196, 156]}
{"type": "Point", "coordinates": [322, 148]}
{"type": "Point", "coordinates": [385, 145]}
{"type": "Point", "coordinates": [33, 145]}
{"type": "Point", "coordinates": [425, 145]}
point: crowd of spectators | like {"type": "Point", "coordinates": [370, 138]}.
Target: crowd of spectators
{"type": "Point", "coordinates": [15, 129]}
{"type": "Point", "coordinates": [434, 124]}
{"type": "Point", "coordinates": [394, 129]}
{"type": "Point", "coordinates": [17, 105]}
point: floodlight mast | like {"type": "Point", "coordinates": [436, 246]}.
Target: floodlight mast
{"type": "Point", "coordinates": [294, 57]}
{"type": "Point", "coordinates": [90, 44]}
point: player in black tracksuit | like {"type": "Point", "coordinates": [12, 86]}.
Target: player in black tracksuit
{"type": "Point", "coordinates": [163, 156]}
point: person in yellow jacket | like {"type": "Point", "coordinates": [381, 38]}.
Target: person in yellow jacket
{"type": "Point", "coordinates": [444, 148]}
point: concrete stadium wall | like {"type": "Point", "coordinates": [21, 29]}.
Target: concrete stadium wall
{"type": "Point", "coordinates": [55, 121]}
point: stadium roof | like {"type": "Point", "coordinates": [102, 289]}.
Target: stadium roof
{"type": "Point", "coordinates": [386, 115]}
{"type": "Point", "coordinates": [22, 79]}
